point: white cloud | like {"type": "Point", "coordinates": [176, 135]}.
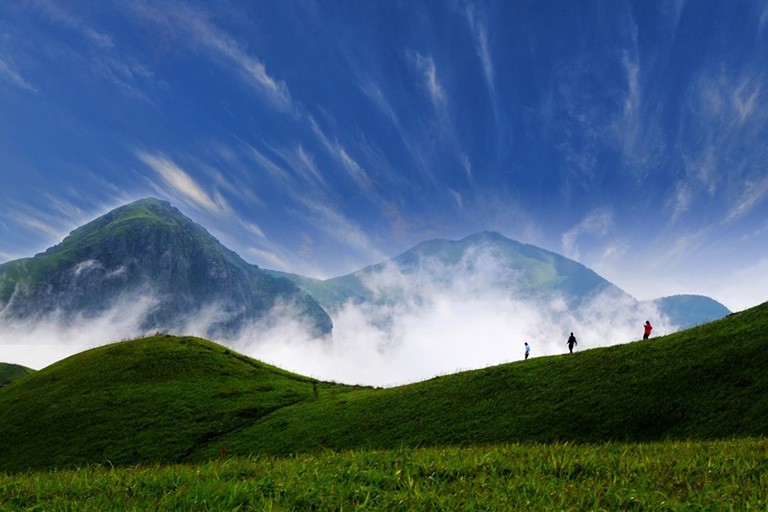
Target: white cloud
{"type": "Point", "coordinates": [278, 173]}
{"type": "Point", "coordinates": [479, 30]}
{"type": "Point", "coordinates": [307, 163]}
{"type": "Point", "coordinates": [11, 75]}
{"type": "Point", "coordinates": [181, 182]}
{"type": "Point", "coordinates": [56, 13]}
{"type": "Point", "coordinates": [754, 193]}
{"type": "Point", "coordinates": [37, 343]}
{"type": "Point", "coordinates": [597, 223]}
{"type": "Point", "coordinates": [456, 198]}
{"type": "Point", "coordinates": [702, 170]}
{"type": "Point", "coordinates": [219, 44]}
{"type": "Point", "coordinates": [38, 224]}
{"type": "Point", "coordinates": [430, 82]}
{"type": "Point", "coordinates": [446, 319]}
{"type": "Point", "coordinates": [745, 99]}
{"type": "Point", "coordinates": [681, 201]}
{"type": "Point", "coordinates": [273, 260]}
{"type": "Point", "coordinates": [339, 152]}
{"type": "Point", "coordinates": [376, 95]}
{"type": "Point", "coordinates": [338, 227]}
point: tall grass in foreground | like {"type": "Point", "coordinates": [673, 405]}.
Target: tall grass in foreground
{"type": "Point", "coordinates": [701, 475]}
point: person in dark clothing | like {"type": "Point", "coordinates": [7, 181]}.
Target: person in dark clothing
{"type": "Point", "coordinates": [647, 328]}
{"type": "Point", "coordinates": [571, 342]}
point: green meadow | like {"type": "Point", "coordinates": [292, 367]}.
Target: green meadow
{"type": "Point", "coordinates": [680, 475]}
{"type": "Point", "coordinates": [180, 423]}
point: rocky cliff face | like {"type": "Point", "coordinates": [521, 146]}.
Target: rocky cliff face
{"type": "Point", "coordinates": [149, 248]}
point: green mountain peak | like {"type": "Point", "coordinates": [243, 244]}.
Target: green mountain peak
{"type": "Point", "coordinates": [149, 248]}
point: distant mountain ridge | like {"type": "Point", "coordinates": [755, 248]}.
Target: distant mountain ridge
{"type": "Point", "coordinates": [148, 247]}
{"type": "Point", "coordinates": [491, 260]}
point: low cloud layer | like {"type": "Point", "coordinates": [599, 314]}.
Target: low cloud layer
{"type": "Point", "coordinates": [446, 319]}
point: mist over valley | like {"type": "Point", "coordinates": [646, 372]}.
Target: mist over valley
{"type": "Point", "coordinates": [440, 307]}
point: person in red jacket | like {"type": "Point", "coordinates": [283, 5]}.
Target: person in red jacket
{"type": "Point", "coordinates": [647, 328]}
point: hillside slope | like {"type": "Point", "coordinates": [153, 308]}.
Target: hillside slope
{"type": "Point", "coordinates": [706, 382]}
{"type": "Point", "coordinates": [154, 399]}
{"type": "Point", "coordinates": [174, 399]}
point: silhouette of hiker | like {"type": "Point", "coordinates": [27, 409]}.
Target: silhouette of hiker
{"type": "Point", "coordinates": [571, 342]}
{"type": "Point", "coordinates": [647, 328]}
{"type": "Point", "coordinates": [527, 350]}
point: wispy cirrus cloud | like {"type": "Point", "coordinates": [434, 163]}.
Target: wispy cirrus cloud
{"type": "Point", "coordinates": [203, 34]}
{"type": "Point", "coordinates": [597, 223]}
{"type": "Point", "coordinates": [479, 28]}
{"type": "Point", "coordinates": [182, 183]}
{"type": "Point", "coordinates": [730, 100]}
{"type": "Point", "coordinates": [339, 152]}
{"type": "Point", "coordinates": [57, 13]}
{"type": "Point", "coordinates": [38, 224]}
{"type": "Point", "coordinates": [339, 227]}
{"type": "Point", "coordinates": [376, 95]}
{"type": "Point", "coordinates": [755, 191]}
{"type": "Point", "coordinates": [427, 69]}
{"type": "Point", "coordinates": [10, 74]}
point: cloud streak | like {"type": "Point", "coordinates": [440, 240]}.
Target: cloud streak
{"type": "Point", "coordinates": [220, 45]}
{"type": "Point", "coordinates": [425, 65]}
{"type": "Point", "coordinates": [10, 74]}
{"type": "Point", "coordinates": [479, 28]}
{"type": "Point", "coordinates": [181, 182]}
{"type": "Point", "coordinates": [56, 13]}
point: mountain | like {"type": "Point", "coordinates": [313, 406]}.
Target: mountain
{"type": "Point", "coordinates": [175, 399]}
{"type": "Point", "coordinates": [690, 310]}
{"type": "Point", "coordinates": [478, 263]}
{"type": "Point", "coordinates": [488, 263]}
{"type": "Point", "coordinates": [149, 249]}
{"type": "Point", "coordinates": [488, 258]}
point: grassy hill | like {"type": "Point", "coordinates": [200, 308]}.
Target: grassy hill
{"type": "Point", "coordinates": [176, 399]}
{"type": "Point", "coordinates": [10, 372]}
{"type": "Point", "coordinates": [707, 382]}
{"type": "Point", "coordinates": [154, 399]}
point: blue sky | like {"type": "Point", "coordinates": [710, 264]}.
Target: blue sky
{"type": "Point", "coordinates": [319, 137]}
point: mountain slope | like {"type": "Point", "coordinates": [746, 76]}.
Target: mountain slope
{"type": "Point", "coordinates": [149, 249]}
{"type": "Point", "coordinates": [690, 310]}
{"type": "Point", "coordinates": [487, 264]}
{"type": "Point", "coordinates": [174, 399]}
{"type": "Point", "coordinates": [154, 399]}
{"type": "Point", "coordinates": [487, 258]}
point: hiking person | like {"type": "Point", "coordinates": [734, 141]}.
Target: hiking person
{"type": "Point", "coordinates": [527, 350]}
{"type": "Point", "coordinates": [571, 342]}
{"type": "Point", "coordinates": [647, 328]}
